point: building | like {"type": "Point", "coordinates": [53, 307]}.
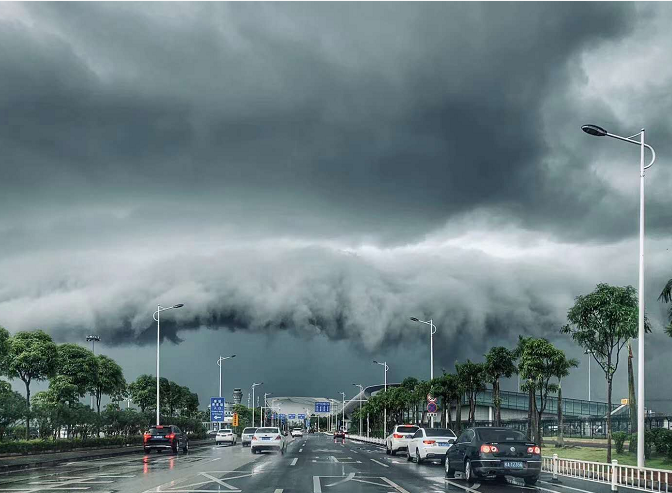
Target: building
{"type": "Point", "coordinates": [237, 396]}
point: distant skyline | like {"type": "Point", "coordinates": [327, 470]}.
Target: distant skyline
{"type": "Point", "coordinates": [305, 177]}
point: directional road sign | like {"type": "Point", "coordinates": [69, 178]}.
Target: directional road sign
{"type": "Point", "coordinates": [322, 407]}
{"type": "Point", "coordinates": [282, 417]}
{"type": "Point", "coordinates": [291, 416]}
{"type": "Point", "coordinates": [217, 409]}
{"type": "Point", "coordinates": [302, 416]}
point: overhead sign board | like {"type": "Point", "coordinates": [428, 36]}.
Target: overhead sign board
{"type": "Point", "coordinates": [291, 416]}
{"type": "Point", "coordinates": [217, 409]}
{"type": "Point", "coordinates": [322, 407]}
{"type": "Point", "coordinates": [302, 416]}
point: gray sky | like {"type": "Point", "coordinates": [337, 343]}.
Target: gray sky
{"type": "Point", "coordinates": [304, 177]}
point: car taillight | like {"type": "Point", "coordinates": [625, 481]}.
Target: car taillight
{"type": "Point", "coordinates": [488, 449]}
{"type": "Point", "coordinates": [278, 437]}
{"type": "Point", "coordinates": [146, 437]}
{"type": "Point", "coordinates": [533, 450]}
{"type": "Point", "coordinates": [429, 442]}
{"type": "Point", "coordinates": [254, 438]}
{"type": "Point", "coordinates": [397, 435]}
{"type": "Point", "coordinates": [171, 436]}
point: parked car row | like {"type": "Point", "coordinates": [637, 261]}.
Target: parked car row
{"type": "Point", "coordinates": [478, 453]}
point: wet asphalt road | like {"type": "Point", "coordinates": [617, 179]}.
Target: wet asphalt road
{"type": "Point", "coordinates": [313, 464]}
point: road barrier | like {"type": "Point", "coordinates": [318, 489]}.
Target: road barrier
{"type": "Point", "coordinates": [360, 438]}
{"type": "Point", "coordinates": [646, 479]}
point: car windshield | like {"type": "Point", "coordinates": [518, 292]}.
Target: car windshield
{"type": "Point", "coordinates": [267, 430]}
{"type": "Point", "coordinates": [502, 436]}
{"type": "Point", "coordinates": [437, 432]}
{"type": "Point", "coordinates": [163, 431]}
{"type": "Point", "coordinates": [407, 429]}
{"type": "Point", "coordinates": [249, 430]}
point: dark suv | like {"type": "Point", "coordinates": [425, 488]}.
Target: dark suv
{"type": "Point", "coordinates": [162, 437]}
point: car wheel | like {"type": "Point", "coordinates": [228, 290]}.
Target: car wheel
{"type": "Point", "coordinates": [450, 473]}
{"type": "Point", "coordinates": [468, 473]}
{"type": "Point", "coordinates": [418, 459]}
{"type": "Point", "coordinates": [409, 457]}
{"type": "Point", "coordinates": [186, 447]}
{"type": "Point", "coordinates": [252, 450]}
{"type": "Point", "coordinates": [393, 452]}
{"type": "Point", "coordinates": [175, 450]}
{"type": "Point", "coordinates": [387, 450]}
{"type": "Point", "coordinates": [531, 481]}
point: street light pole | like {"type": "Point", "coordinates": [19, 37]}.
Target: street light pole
{"type": "Point", "coordinates": [157, 317]}
{"type": "Point", "coordinates": [219, 363]}
{"type": "Point", "coordinates": [361, 390]}
{"type": "Point", "coordinates": [253, 386]}
{"type": "Point", "coordinates": [343, 394]}
{"type": "Point", "coordinates": [589, 352]}
{"type": "Point", "coordinates": [432, 331]}
{"type": "Point", "coordinates": [384, 364]}
{"type": "Point", "coordinates": [600, 132]}
{"type": "Point", "coordinates": [93, 340]}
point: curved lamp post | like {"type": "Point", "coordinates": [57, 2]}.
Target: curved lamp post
{"type": "Point", "coordinates": [157, 317]}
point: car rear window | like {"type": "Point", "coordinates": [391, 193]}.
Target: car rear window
{"type": "Point", "coordinates": [437, 432]}
{"type": "Point", "coordinates": [226, 432]}
{"type": "Point", "coordinates": [407, 429]}
{"type": "Point", "coordinates": [267, 430]}
{"type": "Point", "coordinates": [502, 436]}
{"type": "Point", "coordinates": [160, 432]}
{"type": "Point", "coordinates": [249, 430]}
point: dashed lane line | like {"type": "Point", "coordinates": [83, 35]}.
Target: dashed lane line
{"type": "Point", "coordinates": [380, 463]}
{"type": "Point", "coordinates": [294, 461]}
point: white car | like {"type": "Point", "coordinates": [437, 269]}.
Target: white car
{"type": "Point", "coordinates": [246, 436]}
{"type": "Point", "coordinates": [225, 436]}
{"type": "Point", "coordinates": [399, 438]}
{"type": "Point", "coordinates": [269, 438]}
{"type": "Point", "coordinates": [430, 444]}
{"type": "Point", "coordinates": [297, 432]}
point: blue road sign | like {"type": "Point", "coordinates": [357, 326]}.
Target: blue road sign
{"type": "Point", "coordinates": [217, 409]}
{"type": "Point", "coordinates": [322, 407]}
{"type": "Point", "coordinates": [302, 416]}
{"type": "Point", "coordinates": [291, 416]}
{"type": "Point", "coordinates": [282, 417]}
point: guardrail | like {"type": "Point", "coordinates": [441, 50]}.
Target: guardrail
{"type": "Point", "coordinates": [646, 479]}
{"type": "Point", "coordinates": [374, 441]}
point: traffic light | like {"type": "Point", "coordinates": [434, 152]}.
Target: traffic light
{"type": "Point", "coordinates": [235, 419]}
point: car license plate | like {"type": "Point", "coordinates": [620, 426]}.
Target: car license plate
{"type": "Point", "coordinates": [443, 444]}
{"type": "Point", "coordinates": [513, 465]}
{"type": "Point", "coordinates": [268, 438]}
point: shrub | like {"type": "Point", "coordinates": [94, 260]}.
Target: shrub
{"type": "Point", "coordinates": [37, 446]}
{"type": "Point", "coordinates": [662, 440]}
{"type": "Point", "coordinates": [619, 440]}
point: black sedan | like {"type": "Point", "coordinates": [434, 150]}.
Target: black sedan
{"type": "Point", "coordinates": [489, 452]}
{"type": "Point", "coordinates": [168, 437]}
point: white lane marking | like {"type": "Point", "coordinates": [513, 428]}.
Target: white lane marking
{"type": "Point", "coordinates": [116, 475]}
{"type": "Point", "coordinates": [216, 458]}
{"type": "Point", "coordinates": [317, 488]}
{"type": "Point", "coordinates": [347, 478]}
{"type": "Point", "coordinates": [380, 463]}
{"type": "Point", "coordinates": [219, 481]}
{"type": "Point", "coordinates": [394, 485]}
{"type": "Point", "coordinates": [294, 461]}
{"type": "Point", "coordinates": [465, 488]}
{"type": "Point", "coordinates": [300, 450]}
{"type": "Point", "coordinates": [278, 491]}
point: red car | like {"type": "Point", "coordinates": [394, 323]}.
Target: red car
{"type": "Point", "coordinates": [339, 434]}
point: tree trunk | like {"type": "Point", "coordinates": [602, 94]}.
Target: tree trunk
{"type": "Point", "coordinates": [561, 438]}
{"type": "Point", "coordinates": [538, 413]}
{"type": "Point", "coordinates": [27, 382]}
{"type": "Point", "coordinates": [498, 404]}
{"type": "Point", "coordinates": [609, 383]}
{"type": "Point", "coordinates": [458, 415]}
{"type": "Point", "coordinates": [530, 413]}
{"type": "Point", "coordinates": [632, 401]}
{"type": "Point", "coordinates": [472, 408]}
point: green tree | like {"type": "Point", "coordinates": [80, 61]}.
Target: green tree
{"type": "Point", "coordinates": [447, 387]}
{"type": "Point", "coordinates": [143, 392]}
{"type": "Point", "coordinates": [109, 379]}
{"type": "Point", "coordinates": [531, 416]}
{"type": "Point", "coordinates": [666, 297]}
{"type": "Point", "coordinates": [190, 404]}
{"type": "Point", "coordinates": [79, 365]}
{"type": "Point", "coordinates": [30, 356]}
{"type": "Point", "coordinates": [12, 407]}
{"type": "Point", "coordinates": [603, 322]}
{"type": "Point", "coordinates": [4, 350]}
{"type": "Point", "coordinates": [473, 378]}
{"type": "Point", "coordinates": [499, 362]}
{"type": "Point", "coordinates": [560, 368]}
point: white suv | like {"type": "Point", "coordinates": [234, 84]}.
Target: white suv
{"type": "Point", "coordinates": [399, 438]}
{"type": "Point", "coordinates": [297, 432]}
{"type": "Point", "coordinates": [225, 436]}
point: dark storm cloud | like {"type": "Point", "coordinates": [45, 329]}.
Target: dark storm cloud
{"type": "Point", "coordinates": [386, 120]}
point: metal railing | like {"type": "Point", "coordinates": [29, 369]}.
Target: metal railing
{"type": "Point", "coordinates": [646, 479]}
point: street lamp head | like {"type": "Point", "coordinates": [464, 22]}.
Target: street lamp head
{"type": "Point", "coordinates": [179, 305]}
{"type": "Point", "coordinates": [376, 362]}
{"type": "Point", "coordinates": [232, 356]}
{"type": "Point", "coordinates": [594, 130]}
{"type": "Point", "coordinates": [415, 319]}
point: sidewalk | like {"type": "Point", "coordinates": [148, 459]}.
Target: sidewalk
{"type": "Point", "coordinates": [16, 462]}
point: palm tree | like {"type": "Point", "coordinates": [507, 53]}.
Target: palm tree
{"type": "Point", "coordinates": [561, 367]}
{"type": "Point", "coordinates": [666, 297]}
{"type": "Point", "coordinates": [531, 404]}
{"type": "Point", "coordinates": [499, 362]}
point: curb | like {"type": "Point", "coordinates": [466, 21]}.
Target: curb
{"type": "Point", "coordinates": [101, 455]}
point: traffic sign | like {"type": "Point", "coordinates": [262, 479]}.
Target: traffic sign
{"type": "Point", "coordinates": [432, 415]}
{"type": "Point", "coordinates": [302, 416]}
{"type": "Point", "coordinates": [291, 416]}
{"type": "Point", "coordinates": [624, 402]}
{"type": "Point", "coordinates": [432, 407]}
{"type": "Point", "coordinates": [322, 407]}
{"type": "Point", "coordinates": [217, 409]}
{"type": "Point", "coordinates": [282, 417]}
{"type": "Point", "coordinates": [431, 399]}
{"type": "Point", "coordinates": [235, 419]}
